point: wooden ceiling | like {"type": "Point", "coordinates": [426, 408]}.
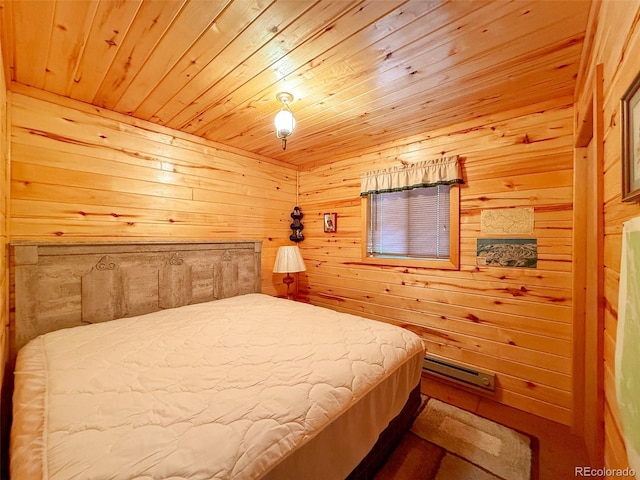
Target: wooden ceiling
{"type": "Point", "coordinates": [361, 72]}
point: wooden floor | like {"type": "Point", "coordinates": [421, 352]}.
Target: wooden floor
{"type": "Point", "coordinates": [559, 450]}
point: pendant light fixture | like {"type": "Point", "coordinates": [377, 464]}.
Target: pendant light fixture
{"type": "Point", "coordinates": [284, 121]}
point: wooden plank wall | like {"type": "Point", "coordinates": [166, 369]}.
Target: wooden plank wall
{"type": "Point", "coordinates": [515, 322]}
{"type": "Point", "coordinates": [80, 173]}
{"type": "Point", "coordinates": [616, 45]}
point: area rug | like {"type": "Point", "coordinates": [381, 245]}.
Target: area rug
{"type": "Point", "coordinates": [473, 448]}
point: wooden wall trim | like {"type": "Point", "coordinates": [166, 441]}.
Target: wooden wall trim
{"type": "Point", "coordinates": [588, 264]}
{"type": "Point", "coordinates": [595, 346]}
{"type": "Point", "coordinates": [586, 56]}
{"type": "Point", "coordinates": [5, 212]}
{"type": "Point", "coordinates": [579, 290]}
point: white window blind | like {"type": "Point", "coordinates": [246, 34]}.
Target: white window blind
{"type": "Point", "coordinates": [410, 223]}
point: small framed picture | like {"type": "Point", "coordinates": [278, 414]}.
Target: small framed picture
{"type": "Point", "coordinates": [330, 222]}
{"type": "Point", "coordinates": [630, 107]}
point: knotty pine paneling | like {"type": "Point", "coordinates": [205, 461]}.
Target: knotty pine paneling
{"type": "Point", "coordinates": [85, 174]}
{"type": "Point", "coordinates": [515, 322]}
{"type": "Point", "coordinates": [616, 45]}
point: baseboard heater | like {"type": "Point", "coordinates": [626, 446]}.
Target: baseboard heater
{"type": "Point", "coordinates": [459, 373]}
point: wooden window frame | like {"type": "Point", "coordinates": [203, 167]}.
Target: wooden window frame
{"type": "Point", "coordinates": [452, 263]}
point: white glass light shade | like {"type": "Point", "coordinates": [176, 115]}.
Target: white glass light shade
{"type": "Point", "coordinates": [285, 123]}
{"type": "Point", "coordinates": [289, 260]}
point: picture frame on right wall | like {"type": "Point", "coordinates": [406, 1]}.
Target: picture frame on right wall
{"type": "Point", "coordinates": [330, 222]}
{"type": "Point", "coordinates": [630, 109]}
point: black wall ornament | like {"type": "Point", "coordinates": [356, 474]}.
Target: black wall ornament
{"type": "Point", "coordinates": [296, 226]}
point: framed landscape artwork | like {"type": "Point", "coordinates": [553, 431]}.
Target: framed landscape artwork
{"type": "Point", "coordinates": [507, 252]}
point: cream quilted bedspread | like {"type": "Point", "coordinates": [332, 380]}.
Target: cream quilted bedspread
{"type": "Point", "coordinates": [220, 390]}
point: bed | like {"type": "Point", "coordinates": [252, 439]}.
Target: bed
{"type": "Point", "coordinates": [214, 380]}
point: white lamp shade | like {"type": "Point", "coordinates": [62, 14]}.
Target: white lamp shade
{"type": "Point", "coordinates": [289, 260]}
{"type": "Point", "coordinates": [285, 123]}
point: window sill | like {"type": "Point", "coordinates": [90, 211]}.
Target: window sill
{"type": "Point", "coordinates": [449, 264]}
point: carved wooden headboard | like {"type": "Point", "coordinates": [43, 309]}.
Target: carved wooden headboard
{"type": "Point", "coordinates": [60, 285]}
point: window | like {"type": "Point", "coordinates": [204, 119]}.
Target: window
{"type": "Point", "coordinates": [412, 221]}
{"type": "Point", "coordinates": [417, 227]}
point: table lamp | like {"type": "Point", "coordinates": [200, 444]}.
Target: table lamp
{"type": "Point", "coordinates": [289, 260]}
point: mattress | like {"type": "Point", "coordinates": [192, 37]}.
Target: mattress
{"type": "Point", "coordinates": [246, 387]}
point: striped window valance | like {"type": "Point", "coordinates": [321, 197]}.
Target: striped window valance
{"type": "Point", "coordinates": [442, 171]}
